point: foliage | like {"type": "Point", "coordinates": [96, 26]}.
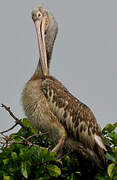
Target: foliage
{"type": "Point", "coordinates": [27, 155]}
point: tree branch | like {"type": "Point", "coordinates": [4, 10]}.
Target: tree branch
{"type": "Point", "coordinates": [8, 129]}
{"type": "Point", "coordinates": [17, 121]}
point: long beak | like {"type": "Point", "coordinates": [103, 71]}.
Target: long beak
{"type": "Point", "coordinates": [40, 29]}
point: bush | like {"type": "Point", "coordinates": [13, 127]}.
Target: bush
{"type": "Point", "coordinates": [27, 155]}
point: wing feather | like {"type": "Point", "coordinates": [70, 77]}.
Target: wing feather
{"type": "Point", "coordinates": [77, 118]}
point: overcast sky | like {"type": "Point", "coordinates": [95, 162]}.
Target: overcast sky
{"type": "Point", "coordinates": [84, 56]}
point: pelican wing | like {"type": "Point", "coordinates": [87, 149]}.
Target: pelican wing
{"type": "Point", "coordinates": [78, 120]}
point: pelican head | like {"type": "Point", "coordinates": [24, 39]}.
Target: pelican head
{"type": "Point", "coordinates": [46, 28]}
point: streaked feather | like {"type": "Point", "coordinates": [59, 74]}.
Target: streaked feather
{"type": "Point", "coordinates": [78, 120]}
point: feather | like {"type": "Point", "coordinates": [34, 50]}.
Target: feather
{"type": "Point", "coordinates": [99, 142]}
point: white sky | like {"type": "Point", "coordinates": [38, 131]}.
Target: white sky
{"type": "Point", "coordinates": [84, 57]}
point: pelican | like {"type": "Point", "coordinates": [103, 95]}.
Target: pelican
{"type": "Point", "coordinates": [50, 107]}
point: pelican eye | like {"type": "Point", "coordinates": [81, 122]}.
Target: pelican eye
{"type": "Point", "coordinates": [39, 14]}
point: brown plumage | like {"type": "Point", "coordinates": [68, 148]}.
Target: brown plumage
{"type": "Point", "coordinates": [50, 107]}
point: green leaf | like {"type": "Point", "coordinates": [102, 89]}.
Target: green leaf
{"type": "Point", "coordinates": [72, 176]}
{"type": "Point", "coordinates": [40, 170]}
{"type": "Point", "coordinates": [14, 156]}
{"type": "Point", "coordinates": [44, 155]}
{"type": "Point", "coordinates": [45, 177]}
{"type": "Point", "coordinates": [6, 161]}
{"type": "Point", "coordinates": [27, 124]}
{"type": "Point", "coordinates": [108, 128]}
{"type": "Point", "coordinates": [115, 124]}
{"type": "Point", "coordinates": [110, 169]}
{"type": "Point", "coordinates": [99, 177]}
{"type": "Point", "coordinates": [12, 170]}
{"type": "Point", "coordinates": [6, 177]}
{"type": "Point", "coordinates": [15, 137]}
{"type": "Point", "coordinates": [113, 136]}
{"type": "Point", "coordinates": [67, 161]}
{"type": "Point", "coordinates": [24, 169]}
{"type": "Point", "coordinates": [54, 170]}
{"type": "Point", "coordinates": [111, 156]}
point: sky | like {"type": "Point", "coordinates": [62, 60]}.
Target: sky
{"type": "Point", "coordinates": [84, 56]}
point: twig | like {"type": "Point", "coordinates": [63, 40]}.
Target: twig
{"type": "Point", "coordinates": [29, 144]}
{"type": "Point", "coordinates": [36, 135]}
{"type": "Point", "coordinates": [8, 129]}
{"type": "Point", "coordinates": [7, 141]}
{"type": "Point", "coordinates": [26, 141]}
{"type": "Point", "coordinates": [4, 141]}
{"type": "Point", "coordinates": [17, 121]}
{"type": "Point", "coordinates": [8, 109]}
